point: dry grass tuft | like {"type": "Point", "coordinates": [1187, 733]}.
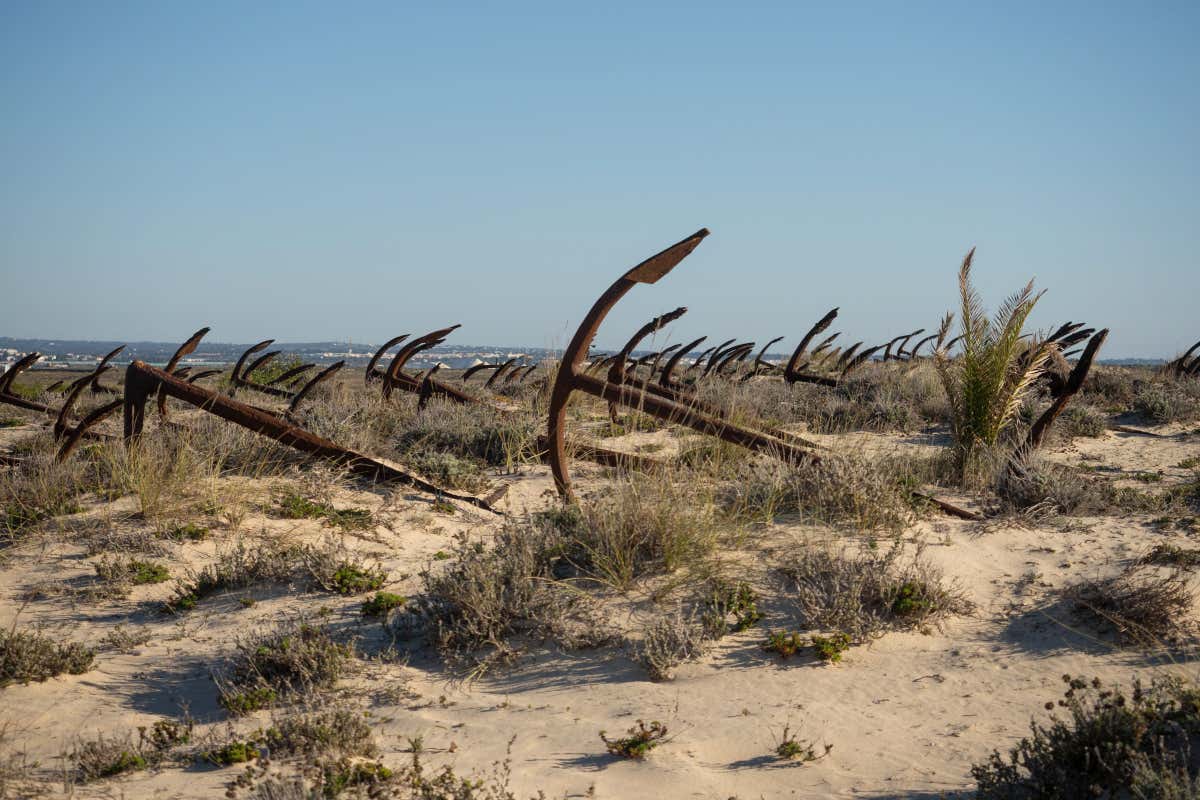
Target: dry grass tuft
{"type": "Point", "coordinates": [485, 599]}
{"type": "Point", "coordinates": [869, 592]}
{"type": "Point", "coordinates": [296, 657]}
{"type": "Point", "coordinates": [669, 641]}
{"type": "Point", "coordinates": [32, 656]}
{"type": "Point", "coordinates": [1141, 604]}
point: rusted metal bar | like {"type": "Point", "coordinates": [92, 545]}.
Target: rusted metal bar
{"type": "Point", "coordinates": [284, 378]}
{"type": "Point", "coordinates": [921, 344]}
{"type": "Point", "coordinates": [900, 354]}
{"type": "Point", "coordinates": [395, 377]}
{"type": "Point", "coordinates": [717, 354]}
{"type": "Point", "coordinates": [74, 435]}
{"type": "Point", "coordinates": [887, 350]}
{"type": "Point", "coordinates": [823, 323]}
{"type": "Point", "coordinates": [733, 355]}
{"type": "Point", "coordinates": [316, 381]}
{"type": "Point", "coordinates": [186, 348]}
{"type": "Point", "coordinates": [6, 382]}
{"type": "Point", "coordinates": [758, 359]}
{"type": "Point", "coordinates": [1180, 366]}
{"type": "Point", "coordinates": [825, 343]}
{"type": "Point", "coordinates": [490, 382]}
{"type": "Point", "coordinates": [847, 355]}
{"type": "Point", "coordinates": [199, 376]}
{"type": "Point", "coordinates": [617, 371]}
{"type": "Point", "coordinates": [859, 360]}
{"type": "Point", "coordinates": [142, 381]}
{"type": "Point", "coordinates": [664, 379]}
{"type": "Point", "coordinates": [699, 360]}
{"type": "Point", "coordinates": [477, 368]}
{"type": "Point", "coordinates": [235, 379]}
{"type": "Point", "coordinates": [572, 378]}
{"type": "Point", "coordinates": [514, 374]}
{"type": "Point", "coordinates": [372, 373]}
{"type": "Point", "coordinates": [97, 388]}
{"type": "Point", "coordinates": [1038, 432]}
{"type": "Point", "coordinates": [259, 362]}
{"type": "Point", "coordinates": [948, 508]}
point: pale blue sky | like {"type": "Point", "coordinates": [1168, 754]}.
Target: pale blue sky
{"type": "Point", "coordinates": [312, 171]}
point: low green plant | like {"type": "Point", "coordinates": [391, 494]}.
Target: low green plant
{"type": "Point", "coordinates": [294, 656]}
{"type": "Point", "coordinates": [293, 505]}
{"type": "Point", "coordinates": [638, 742]}
{"type": "Point", "coordinates": [382, 603]}
{"type": "Point", "coordinates": [668, 642]}
{"type": "Point", "coordinates": [187, 532]}
{"type": "Point", "coordinates": [790, 747]}
{"type": "Point", "coordinates": [830, 648]}
{"type": "Point", "coordinates": [240, 702]}
{"type": "Point", "coordinates": [913, 598]}
{"type": "Point", "coordinates": [105, 757]}
{"type": "Point", "coordinates": [351, 578]}
{"type": "Point", "coordinates": [730, 607]}
{"type": "Point", "coordinates": [31, 656]}
{"type": "Point", "coordinates": [1110, 744]}
{"type": "Point", "coordinates": [235, 752]}
{"type": "Point", "coordinates": [785, 643]}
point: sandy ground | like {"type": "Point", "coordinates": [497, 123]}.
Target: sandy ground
{"type": "Point", "coordinates": [906, 716]}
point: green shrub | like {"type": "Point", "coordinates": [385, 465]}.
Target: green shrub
{"type": "Point", "coordinates": [351, 578]}
{"type": "Point", "coordinates": [866, 593]}
{"type": "Point", "coordinates": [235, 752]}
{"type": "Point", "coordinates": [996, 370]}
{"type": "Point", "coordinates": [830, 648]}
{"type": "Point", "coordinates": [1110, 745]}
{"type": "Point", "coordinates": [382, 603]}
{"type": "Point", "coordinates": [730, 607]}
{"type": "Point", "coordinates": [293, 657]}
{"type": "Point", "coordinates": [30, 656]}
{"type": "Point", "coordinates": [641, 739]}
{"type": "Point", "coordinates": [786, 644]}
{"type": "Point", "coordinates": [486, 597]}
{"type": "Point", "coordinates": [1083, 421]}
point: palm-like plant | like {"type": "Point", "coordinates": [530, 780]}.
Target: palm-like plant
{"type": "Point", "coordinates": [996, 369]}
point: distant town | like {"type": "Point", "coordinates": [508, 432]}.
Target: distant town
{"type": "Point", "coordinates": [81, 354]}
{"type": "Point", "coordinates": [75, 354]}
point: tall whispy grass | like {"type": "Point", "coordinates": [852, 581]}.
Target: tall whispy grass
{"type": "Point", "coordinates": [996, 370]}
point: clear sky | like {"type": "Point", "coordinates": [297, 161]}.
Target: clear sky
{"type": "Point", "coordinates": [311, 171]}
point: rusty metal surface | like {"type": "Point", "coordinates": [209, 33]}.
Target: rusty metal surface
{"type": "Point", "coordinates": [97, 387]}
{"type": "Point", "coordinates": [372, 373]}
{"type": "Point", "coordinates": [821, 325]}
{"type": "Point", "coordinates": [665, 378]}
{"type": "Point", "coordinates": [143, 381]}
{"type": "Point", "coordinates": [495, 376]}
{"type": "Point", "coordinates": [236, 377]}
{"type": "Point", "coordinates": [476, 369]}
{"type": "Point", "coordinates": [290, 375]}
{"type": "Point", "coordinates": [1037, 433]}
{"type": "Point", "coordinates": [186, 348]}
{"type": "Point", "coordinates": [199, 376]}
{"type": "Point", "coordinates": [572, 378]}
{"type": "Point", "coordinates": [316, 381]}
{"type": "Point", "coordinates": [259, 362]}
